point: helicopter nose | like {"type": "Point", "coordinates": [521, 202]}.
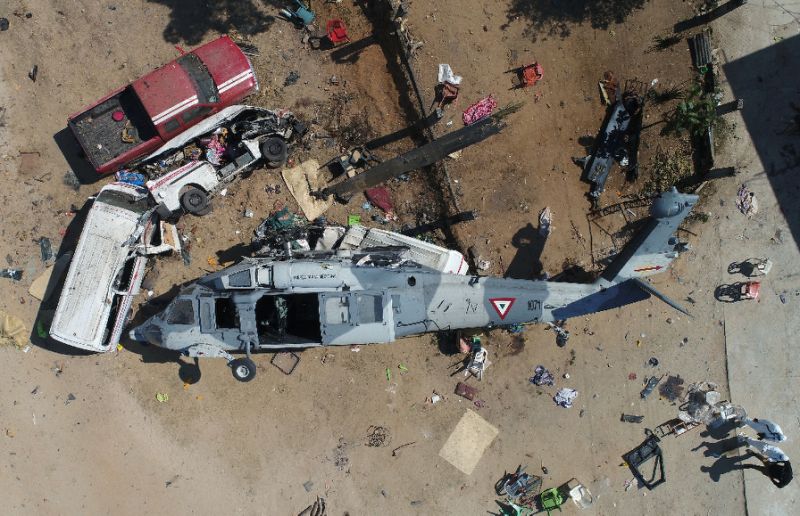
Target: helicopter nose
{"type": "Point", "coordinates": [147, 332]}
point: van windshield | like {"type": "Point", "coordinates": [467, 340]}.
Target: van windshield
{"type": "Point", "coordinates": [201, 78]}
{"type": "Point", "coordinates": [123, 200]}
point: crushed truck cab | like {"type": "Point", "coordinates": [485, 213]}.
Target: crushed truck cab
{"type": "Point", "coordinates": [184, 177]}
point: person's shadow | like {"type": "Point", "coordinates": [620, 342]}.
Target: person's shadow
{"type": "Point", "coordinates": [725, 463]}
{"type": "Point", "coordinates": [526, 264]}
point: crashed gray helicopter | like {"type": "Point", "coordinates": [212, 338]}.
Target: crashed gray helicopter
{"type": "Point", "coordinates": [376, 295]}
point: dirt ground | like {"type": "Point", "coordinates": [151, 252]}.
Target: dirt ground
{"type": "Point", "coordinates": [271, 446]}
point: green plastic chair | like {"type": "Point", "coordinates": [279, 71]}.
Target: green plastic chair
{"type": "Point", "coordinates": [551, 499]}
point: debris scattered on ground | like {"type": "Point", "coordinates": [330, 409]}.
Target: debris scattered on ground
{"type": "Point", "coordinates": [653, 361]}
{"type": "Point", "coordinates": [541, 376]}
{"type": "Point", "coordinates": [672, 389]}
{"type": "Point", "coordinates": [301, 181]}
{"type": "Point", "coordinates": [292, 78]}
{"type": "Point", "coordinates": [3, 24]}
{"type": "Point", "coordinates": [703, 404]}
{"type": "Point", "coordinates": [70, 398]}
{"type": "Point", "coordinates": [377, 436]}
{"type": "Point", "coordinates": [528, 75]}
{"type": "Point", "coordinates": [315, 509]}
{"type": "Point", "coordinates": [649, 386]}
{"type": "Point", "coordinates": [562, 335]}
{"type": "Point", "coordinates": [286, 362]}
{"type": "Point", "coordinates": [746, 201]}
{"type": "Point", "coordinates": [545, 222]}
{"type": "Point", "coordinates": [308, 486]}
{"type": "Point", "coordinates": [466, 391]}
{"type": "Point", "coordinates": [435, 398]}
{"type": "Point", "coordinates": [468, 441]}
{"type": "Point", "coordinates": [446, 75]}
{"type": "Point", "coordinates": [162, 397]}
{"type": "Point", "coordinates": [565, 397]}
{"type": "Point", "coordinates": [340, 459]}
{"type": "Point", "coordinates": [478, 362]}
{"type": "Point", "coordinates": [71, 180]}
{"type": "Point", "coordinates": [14, 274]}
{"type": "Point", "coordinates": [608, 88]}
{"type": "Point", "coordinates": [33, 73]}
{"type": "Point", "coordinates": [629, 418]}
{"type": "Point", "coordinates": [46, 249]}
{"type": "Point", "coordinates": [479, 110]}
{"type": "Point", "coordinates": [380, 197]}
{"type": "Point", "coordinates": [12, 330]}
{"type": "Point", "coordinates": [396, 450]}
{"type": "Point", "coordinates": [132, 178]}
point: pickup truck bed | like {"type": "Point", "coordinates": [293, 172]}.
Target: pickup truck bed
{"type": "Point", "coordinates": [101, 136]}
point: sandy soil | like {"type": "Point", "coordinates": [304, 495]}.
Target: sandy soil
{"type": "Point", "coordinates": [220, 446]}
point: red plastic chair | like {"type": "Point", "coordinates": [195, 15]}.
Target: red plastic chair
{"type": "Point", "coordinates": [531, 74]}
{"type": "Point", "coordinates": [337, 32]}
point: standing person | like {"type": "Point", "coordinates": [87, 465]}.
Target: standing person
{"type": "Point", "coordinates": [768, 452]}
{"type": "Point", "coordinates": [767, 430]}
{"type": "Point", "coordinates": [776, 464]}
{"type": "Point", "coordinates": [779, 472]}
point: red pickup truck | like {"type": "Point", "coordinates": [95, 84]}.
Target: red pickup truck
{"type": "Point", "coordinates": [140, 117]}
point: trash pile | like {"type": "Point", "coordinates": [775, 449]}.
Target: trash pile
{"type": "Point", "coordinates": [746, 201]}
{"type": "Point", "coordinates": [704, 405]}
{"type": "Point", "coordinates": [542, 376]}
{"type": "Point", "coordinates": [565, 397]}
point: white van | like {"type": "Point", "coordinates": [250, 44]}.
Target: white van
{"type": "Point", "coordinates": [106, 270]}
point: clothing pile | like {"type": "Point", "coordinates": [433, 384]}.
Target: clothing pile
{"type": "Point", "coordinates": [541, 376]}
{"type": "Point", "coordinates": [479, 110]}
{"type": "Point", "coordinates": [565, 397]}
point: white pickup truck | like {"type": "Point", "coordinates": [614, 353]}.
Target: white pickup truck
{"type": "Point", "coordinates": [107, 268]}
{"type": "Point", "coordinates": [191, 168]}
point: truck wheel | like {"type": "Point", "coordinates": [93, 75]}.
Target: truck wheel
{"type": "Point", "coordinates": [195, 201]}
{"type": "Point", "coordinates": [243, 369]}
{"type": "Point", "coordinates": [274, 151]}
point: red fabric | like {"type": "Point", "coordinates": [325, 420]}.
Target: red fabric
{"type": "Point", "coordinates": [479, 110]}
{"type": "Point", "coordinates": [380, 197]}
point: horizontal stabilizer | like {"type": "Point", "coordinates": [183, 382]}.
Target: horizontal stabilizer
{"type": "Point", "coordinates": [650, 289]}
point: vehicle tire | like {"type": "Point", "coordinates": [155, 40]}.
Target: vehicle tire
{"type": "Point", "coordinates": [243, 369]}
{"type": "Point", "coordinates": [274, 151]}
{"type": "Point", "coordinates": [195, 201]}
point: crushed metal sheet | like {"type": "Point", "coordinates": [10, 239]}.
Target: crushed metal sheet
{"type": "Point", "coordinates": [41, 288]}
{"type": "Point", "coordinates": [12, 330]}
{"type": "Point", "coordinates": [466, 444]}
{"type": "Point", "coordinates": [303, 179]}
